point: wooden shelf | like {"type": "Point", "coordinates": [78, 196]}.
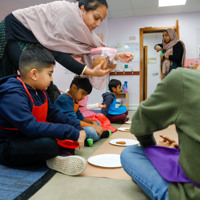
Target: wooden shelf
{"type": "Point", "coordinates": [124, 95]}
{"type": "Point", "coordinates": [125, 73]}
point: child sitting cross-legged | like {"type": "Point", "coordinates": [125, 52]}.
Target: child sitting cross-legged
{"type": "Point", "coordinates": [115, 115]}
{"type": "Point", "coordinates": [68, 104]}
{"type": "Point", "coordinates": [30, 124]}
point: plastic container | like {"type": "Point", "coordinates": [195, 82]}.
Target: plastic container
{"type": "Point", "coordinates": [107, 53]}
{"type": "Point", "coordinates": [125, 87]}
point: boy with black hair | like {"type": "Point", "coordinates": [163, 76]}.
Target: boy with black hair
{"type": "Point", "coordinates": [29, 123]}
{"type": "Point", "coordinates": [68, 103]}
{"type": "Point", "coordinates": [115, 115]}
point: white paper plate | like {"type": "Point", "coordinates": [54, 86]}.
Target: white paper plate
{"type": "Point", "coordinates": [128, 142]}
{"type": "Point", "coordinates": [128, 122]}
{"type": "Point", "coordinates": [124, 129]}
{"type": "Point", "coordinates": [105, 160]}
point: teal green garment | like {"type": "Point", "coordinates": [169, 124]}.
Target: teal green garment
{"type": "Point", "coordinates": [176, 100]}
{"type": "Point", "coordinates": [116, 111]}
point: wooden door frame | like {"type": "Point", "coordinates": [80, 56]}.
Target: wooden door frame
{"type": "Point", "coordinates": [145, 49]}
{"type": "Point", "coordinates": [143, 94]}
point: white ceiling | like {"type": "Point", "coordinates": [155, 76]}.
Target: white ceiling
{"type": "Point", "coordinates": [130, 8]}
{"type": "Point", "coordinates": [117, 8]}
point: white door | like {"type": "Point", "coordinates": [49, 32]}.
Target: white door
{"type": "Point", "coordinates": [153, 61]}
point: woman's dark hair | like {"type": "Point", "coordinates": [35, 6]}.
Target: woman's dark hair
{"type": "Point", "coordinates": [82, 83]}
{"type": "Point", "coordinates": [114, 83]}
{"type": "Point", "coordinates": [92, 4]}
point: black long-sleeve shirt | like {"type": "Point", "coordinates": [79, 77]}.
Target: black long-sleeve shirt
{"type": "Point", "coordinates": [15, 30]}
{"type": "Point", "coordinates": [177, 54]}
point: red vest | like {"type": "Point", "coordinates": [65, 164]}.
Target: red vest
{"type": "Point", "coordinates": [40, 113]}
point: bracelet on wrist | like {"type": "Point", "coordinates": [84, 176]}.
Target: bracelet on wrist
{"type": "Point", "coordinates": [84, 70]}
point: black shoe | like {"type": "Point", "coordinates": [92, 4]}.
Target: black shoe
{"type": "Point", "coordinates": [106, 134]}
{"type": "Point", "coordinates": [88, 142]}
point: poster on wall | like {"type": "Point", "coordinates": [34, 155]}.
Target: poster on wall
{"type": "Point", "coordinates": [132, 47]}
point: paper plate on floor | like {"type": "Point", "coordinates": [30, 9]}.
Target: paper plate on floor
{"type": "Point", "coordinates": [105, 160]}
{"type": "Point", "coordinates": [124, 129]}
{"type": "Point", "coordinates": [123, 142]}
{"type": "Point", "coordinates": [128, 122]}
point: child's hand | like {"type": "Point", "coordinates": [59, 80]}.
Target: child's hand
{"type": "Point", "coordinates": [98, 128]}
{"type": "Point", "coordinates": [101, 105]}
{"type": "Point", "coordinates": [81, 139]}
{"type": "Point", "coordinates": [167, 142]}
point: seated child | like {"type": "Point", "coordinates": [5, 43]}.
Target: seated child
{"type": "Point", "coordinates": [115, 115]}
{"type": "Point", "coordinates": [102, 119]}
{"type": "Point", "coordinates": [29, 123]}
{"type": "Point", "coordinates": [68, 104]}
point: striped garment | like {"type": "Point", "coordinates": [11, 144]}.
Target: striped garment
{"type": "Point", "coordinates": [6, 67]}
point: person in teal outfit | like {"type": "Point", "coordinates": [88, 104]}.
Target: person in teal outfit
{"type": "Point", "coordinates": [115, 115]}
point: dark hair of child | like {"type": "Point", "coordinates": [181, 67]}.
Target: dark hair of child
{"type": "Point", "coordinates": [92, 4]}
{"type": "Point", "coordinates": [114, 83]}
{"type": "Point", "coordinates": [82, 83]}
{"type": "Point", "coordinates": [35, 57]}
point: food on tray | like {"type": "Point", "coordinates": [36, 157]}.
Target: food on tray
{"type": "Point", "coordinates": [121, 142]}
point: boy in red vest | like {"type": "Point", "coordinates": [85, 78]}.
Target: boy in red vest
{"type": "Point", "coordinates": [29, 124]}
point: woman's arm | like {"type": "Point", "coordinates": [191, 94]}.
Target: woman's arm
{"type": "Point", "coordinates": [124, 57]}
{"type": "Point", "coordinates": [177, 53]}
{"type": "Point", "coordinates": [68, 62]}
{"type": "Point", "coordinates": [76, 67]}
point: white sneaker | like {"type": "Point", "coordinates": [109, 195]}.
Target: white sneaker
{"type": "Point", "coordinates": [69, 165]}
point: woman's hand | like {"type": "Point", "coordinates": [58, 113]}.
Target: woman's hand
{"type": "Point", "coordinates": [97, 71]}
{"type": "Point", "coordinates": [164, 57]}
{"type": "Point", "coordinates": [158, 48]}
{"type": "Point", "coordinates": [167, 142]}
{"type": "Point", "coordinates": [125, 57]}
{"type": "Point", "coordinates": [81, 139]}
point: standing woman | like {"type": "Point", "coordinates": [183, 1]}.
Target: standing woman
{"type": "Point", "coordinates": [64, 28]}
{"type": "Point", "coordinates": [173, 51]}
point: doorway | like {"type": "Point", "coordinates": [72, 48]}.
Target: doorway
{"type": "Point", "coordinates": [143, 72]}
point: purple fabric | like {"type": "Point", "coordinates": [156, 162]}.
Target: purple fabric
{"type": "Point", "coordinates": [165, 160]}
{"type": "Point", "coordinates": [118, 118]}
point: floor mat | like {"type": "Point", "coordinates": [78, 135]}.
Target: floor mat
{"type": "Point", "coordinates": [107, 148]}
{"type": "Point", "coordinates": [21, 183]}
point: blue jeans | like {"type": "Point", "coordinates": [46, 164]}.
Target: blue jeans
{"type": "Point", "coordinates": [91, 132]}
{"type": "Point", "coordinates": [142, 171]}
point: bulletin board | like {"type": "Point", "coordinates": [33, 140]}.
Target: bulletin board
{"type": "Point", "coordinates": [128, 43]}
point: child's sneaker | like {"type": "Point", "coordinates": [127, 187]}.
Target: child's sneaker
{"type": "Point", "coordinates": [106, 134]}
{"type": "Point", "coordinates": [70, 165]}
{"type": "Point", "coordinates": [88, 142]}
